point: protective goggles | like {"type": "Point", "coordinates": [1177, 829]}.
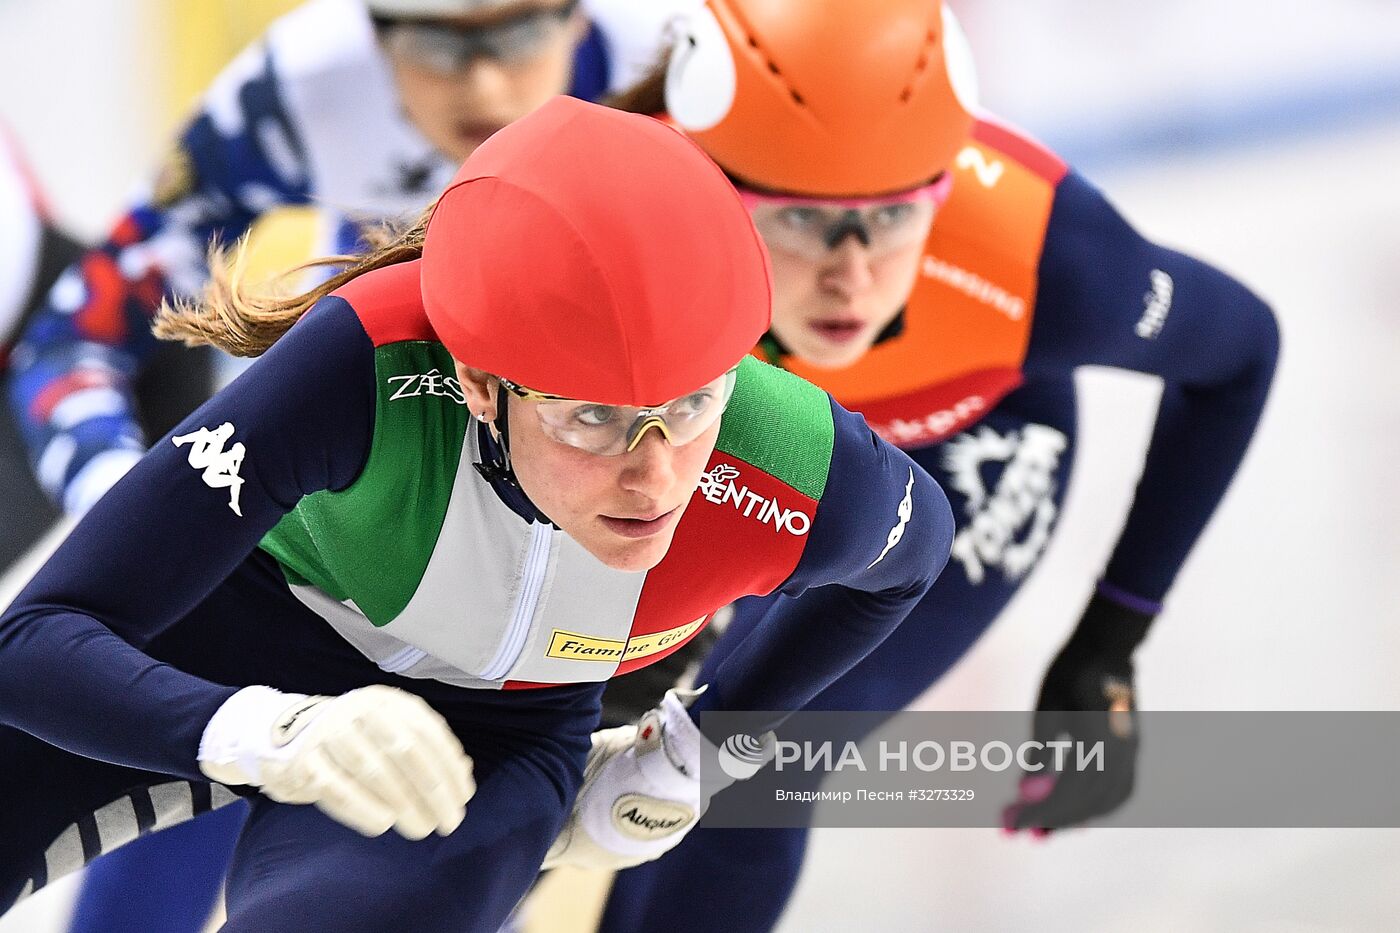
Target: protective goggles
{"type": "Point", "coordinates": [609, 430]}
{"type": "Point", "coordinates": [446, 49]}
{"type": "Point", "coordinates": [813, 227]}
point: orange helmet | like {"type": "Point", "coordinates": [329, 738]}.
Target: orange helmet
{"type": "Point", "coordinates": [825, 98]}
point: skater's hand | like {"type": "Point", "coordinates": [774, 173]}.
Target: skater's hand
{"type": "Point", "coordinates": [642, 790]}
{"type": "Point", "coordinates": [373, 759]}
{"type": "Point", "coordinates": [1087, 697]}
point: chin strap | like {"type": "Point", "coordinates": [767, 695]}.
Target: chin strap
{"type": "Point", "coordinates": [495, 467]}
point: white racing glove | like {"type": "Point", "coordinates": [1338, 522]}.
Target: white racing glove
{"type": "Point", "coordinates": [642, 789]}
{"type": "Point", "coordinates": [373, 759]}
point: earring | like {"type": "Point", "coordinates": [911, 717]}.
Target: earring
{"type": "Point", "coordinates": [482, 417]}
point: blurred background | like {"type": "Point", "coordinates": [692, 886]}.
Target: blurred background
{"type": "Point", "coordinates": [1263, 136]}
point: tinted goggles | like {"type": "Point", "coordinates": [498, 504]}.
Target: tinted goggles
{"type": "Point", "coordinates": [446, 49]}
{"type": "Point", "coordinates": [813, 227]}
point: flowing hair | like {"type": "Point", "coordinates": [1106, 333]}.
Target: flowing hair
{"type": "Point", "coordinates": [246, 321]}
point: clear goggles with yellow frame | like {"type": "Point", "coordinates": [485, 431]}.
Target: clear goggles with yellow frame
{"type": "Point", "coordinates": [610, 430]}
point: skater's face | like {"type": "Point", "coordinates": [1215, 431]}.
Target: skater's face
{"type": "Point", "coordinates": [623, 509]}
{"type": "Point", "coordinates": [842, 270]}
{"type": "Point", "coordinates": [462, 78]}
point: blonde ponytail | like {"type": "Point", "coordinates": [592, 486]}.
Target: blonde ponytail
{"type": "Point", "coordinates": [245, 321]}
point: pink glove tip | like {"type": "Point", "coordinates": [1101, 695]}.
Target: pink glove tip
{"type": "Point", "coordinates": [1036, 788]}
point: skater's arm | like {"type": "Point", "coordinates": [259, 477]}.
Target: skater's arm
{"type": "Point", "coordinates": [1110, 297]}
{"type": "Point", "coordinates": [71, 667]}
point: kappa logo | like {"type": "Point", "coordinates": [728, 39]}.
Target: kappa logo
{"type": "Point", "coordinates": [433, 383]}
{"type": "Point", "coordinates": [1010, 526]}
{"type": "Point", "coordinates": [719, 486]}
{"type": "Point", "coordinates": [220, 466]}
{"type": "Point", "coordinates": [906, 512]}
{"type": "Point", "coordinates": [1156, 304]}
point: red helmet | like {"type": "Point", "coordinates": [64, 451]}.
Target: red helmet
{"type": "Point", "coordinates": [825, 98]}
{"type": "Point", "coordinates": [597, 255]}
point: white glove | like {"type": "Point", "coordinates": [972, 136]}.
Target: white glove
{"type": "Point", "coordinates": [373, 759]}
{"type": "Point", "coordinates": [642, 789]}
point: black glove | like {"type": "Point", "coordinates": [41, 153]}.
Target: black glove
{"type": "Point", "coordinates": [1087, 697]}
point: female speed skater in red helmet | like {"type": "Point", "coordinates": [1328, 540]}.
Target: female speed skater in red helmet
{"type": "Point", "coordinates": [377, 583]}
